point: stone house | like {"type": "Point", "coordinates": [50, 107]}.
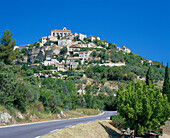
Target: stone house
{"type": "Point", "coordinates": [73, 59]}
{"type": "Point", "coordinates": [74, 64]}
{"type": "Point", "coordinates": [64, 42]}
{"type": "Point", "coordinates": [81, 36]}
{"type": "Point", "coordinates": [74, 48]}
{"type": "Point", "coordinates": [96, 37]}
{"type": "Point", "coordinates": [91, 45]}
{"type": "Point", "coordinates": [105, 43]}
{"type": "Point", "coordinates": [124, 49]}
{"type": "Point", "coordinates": [43, 40]}
{"type": "Point", "coordinates": [92, 38]}
{"type": "Point", "coordinates": [50, 61]}
{"type": "Point", "coordinates": [85, 54]}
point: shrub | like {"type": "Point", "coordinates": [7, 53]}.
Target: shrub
{"type": "Point", "coordinates": [117, 121]}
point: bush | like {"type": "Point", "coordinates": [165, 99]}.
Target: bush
{"type": "Point", "coordinates": [117, 121]}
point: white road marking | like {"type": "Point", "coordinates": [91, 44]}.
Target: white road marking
{"type": "Point", "coordinates": [53, 130]}
{"type": "Point", "coordinates": [37, 137]}
{"type": "Point", "coordinates": [68, 126]}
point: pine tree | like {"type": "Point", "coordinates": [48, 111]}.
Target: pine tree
{"type": "Point", "coordinates": [166, 85]}
{"type": "Point", "coordinates": [7, 53]}
{"type": "Point", "coordinates": [149, 77]}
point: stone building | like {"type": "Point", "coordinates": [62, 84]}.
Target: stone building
{"type": "Point", "coordinates": [43, 40]}
{"type": "Point", "coordinates": [85, 54]}
{"type": "Point", "coordinates": [61, 33]}
{"type": "Point", "coordinates": [92, 38]}
{"type": "Point", "coordinates": [96, 37]}
{"type": "Point", "coordinates": [64, 42]}
{"type": "Point", "coordinates": [80, 36]}
{"type": "Point", "coordinates": [74, 48]}
{"type": "Point", "coordinates": [124, 49]}
{"type": "Point", "coordinates": [74, 59]}
{"type": "Point", "coordinates": [53, 37]}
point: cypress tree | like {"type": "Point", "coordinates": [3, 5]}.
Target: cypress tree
{"type": "Point", "coordinates": [7, 53]}
{"type": "Point", "coordinates": [166, 85]}
{"type": "Point", "coordinates": [149, 77]}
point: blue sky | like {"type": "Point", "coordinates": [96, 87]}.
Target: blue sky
{"type": "Point", "coordinates": [141, 25]}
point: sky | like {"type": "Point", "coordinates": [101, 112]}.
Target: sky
{"type": "Point", "coordinates": [141, 25]}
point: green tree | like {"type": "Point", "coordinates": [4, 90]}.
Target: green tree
{"type": "Point", "coordinates": [89, 89]}
{"type": "Point", "coordinates": [8, 83]}
{"type": "Point", "coordinates": [94, 53]}
{"type": "Point", "coordinates": [143, 107]}
{"type": "Point", "coordinates": [7, 53]}
{"type": "Point", "coordinates": [166, 85]}
{"type": "Point", "coordinates": [149, 77]}
{"type": "Point", "coordinates": [63, 51]}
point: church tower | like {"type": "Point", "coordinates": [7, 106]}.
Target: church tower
{"type": "Point", "coordinates": [64, 28]}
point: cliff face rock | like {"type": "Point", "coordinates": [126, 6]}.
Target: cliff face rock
{"type": "Point", "coordinates": [5, 118]}
{"type": "Point", "coordinates": [19, 115]}
{"type": "Point", "coordinates": [32, 54]}
{"type": "Point", "coordinates": [62, 114]}
{"type": "Point", "coordinates": [43, 52]}
{"type": "Point", "coordinates": [41, 55]}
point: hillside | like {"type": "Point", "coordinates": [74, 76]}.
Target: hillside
{"type": "Point", "coordinates": [71, 56]}
{"type": "Point", "coordinates": [68, 71]}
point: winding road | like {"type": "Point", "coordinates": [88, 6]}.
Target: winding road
{"type": "Point", "coordinates": [32, 130]}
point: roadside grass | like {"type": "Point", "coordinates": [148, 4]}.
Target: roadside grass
{"type": "Point", "coordinates": [36, 115]}
{"type": "Point", "coordinates": [88, 111]}
{"type": "Point", "coordinates": [81, 112]}
{"type": "Point", "coordinates": [96, 129]}
{"type": "Point", "coordinates": [3, 109]}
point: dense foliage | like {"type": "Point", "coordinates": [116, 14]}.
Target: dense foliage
{"type": "Point", "coordinates": [7, 54]}
{"type": "Point", "coordinates": [143, 107]}
{"type": "Point", "coordinates": [18, 88]}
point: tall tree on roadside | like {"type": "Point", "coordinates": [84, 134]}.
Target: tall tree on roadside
{"type": "Point", "coordinates": [144, 108]}
{"type": "Point", "coordinates": [149, 77]}
{"type": "Point", "coordinates": [7, 53]}
{"type": "Point", "coordinates": [166, 85]}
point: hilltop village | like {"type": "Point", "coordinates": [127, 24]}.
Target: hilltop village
{"type": "Point", "coordinates": [63, 52]}
{"type": "Point", "coordinates": [75, 48]}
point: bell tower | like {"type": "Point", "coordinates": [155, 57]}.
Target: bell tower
{"type": "Point", "coordinates": [64, 28]}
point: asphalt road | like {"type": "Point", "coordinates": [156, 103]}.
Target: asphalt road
{"type": "Point", "coordinates": [32, 130]}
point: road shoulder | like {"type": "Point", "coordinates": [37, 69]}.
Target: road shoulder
{"type": "Point", "coordinates": [95, 129]}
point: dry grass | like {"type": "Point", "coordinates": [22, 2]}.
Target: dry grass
{"type": "Point", "coordinates": [96, 129]}
{"type": "Point", "coordinates": [166, 130]}
{"type": "Point", "coordinates": [33, 115]}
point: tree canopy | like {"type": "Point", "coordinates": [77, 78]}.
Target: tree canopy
{"type": "Point", "coordinates": [7, 53]}
{"type": "Point", "coordinates": [143, 107]}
